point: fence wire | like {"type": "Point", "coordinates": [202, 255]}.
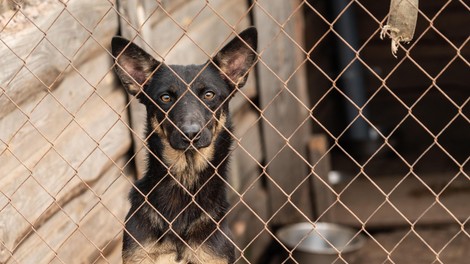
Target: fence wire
{"type": "Point", "coordinates": [72, 145]}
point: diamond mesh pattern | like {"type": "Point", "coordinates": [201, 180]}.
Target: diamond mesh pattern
{"type": "Point", "coordinates": [72, 142]}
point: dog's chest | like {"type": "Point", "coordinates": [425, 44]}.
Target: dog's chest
{"type": "Point", "coordinates": [187, 167]}
{"type": "Point", "coordinates": [187, 211]}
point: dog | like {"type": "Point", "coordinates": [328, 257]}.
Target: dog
{"type": "Point", "coordinates": [178, 207]}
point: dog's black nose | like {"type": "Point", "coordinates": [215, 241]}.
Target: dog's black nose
{"type": "Point", "coordinates": [191, 132]}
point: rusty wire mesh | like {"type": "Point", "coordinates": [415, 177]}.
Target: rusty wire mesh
{"type": "Point", "coordinates": [43, 173]}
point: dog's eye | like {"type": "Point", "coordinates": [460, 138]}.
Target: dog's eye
{"type": "Point", "coordinates": [166, 98]}
{"type": "Point", "coordinates": [209, 95]}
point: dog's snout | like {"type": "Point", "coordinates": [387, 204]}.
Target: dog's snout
{"type": "Point", "coordinates": [191, 132]}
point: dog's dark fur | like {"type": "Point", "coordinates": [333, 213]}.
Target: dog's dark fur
{"type": "Point", "coordinates": [178, 207]}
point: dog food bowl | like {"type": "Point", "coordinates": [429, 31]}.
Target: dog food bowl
{"type": "Point", "coordinates": [321, 243]}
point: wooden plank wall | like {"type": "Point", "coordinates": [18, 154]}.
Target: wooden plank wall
{"type": "Point", "coordinates": [64, 129]}
{"type": "Point", "coordinates": [283, 101]}
{"type": "Point", "coordinates": [63, 133]}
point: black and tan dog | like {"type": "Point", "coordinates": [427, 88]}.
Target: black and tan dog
{"type": "Point", "coordinates": [178, 207]}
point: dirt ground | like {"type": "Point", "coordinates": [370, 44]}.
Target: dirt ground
{"type": "Point", "coordinates": [449, 244]}
{"type": "Point", "coordinates": [437, 236]}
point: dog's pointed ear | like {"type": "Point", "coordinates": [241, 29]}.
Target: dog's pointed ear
{"type": "Point", "coordinates": [236, 58]}
{"type": "Point", "coordinates": [133, 65]}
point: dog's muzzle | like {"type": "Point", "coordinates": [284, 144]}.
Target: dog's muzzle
{"type": "Point", "coordinates": [190, 135]}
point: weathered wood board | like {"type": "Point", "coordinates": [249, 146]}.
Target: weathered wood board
{"type": "Point", "coordinates": [53, 154]}
{"type": "Point", "coordinates": [323, 193]}
{"type": "Point", "coordinates": [40, 49]}
{"type": "Point", "coordinates": [283, 99]}
{"type": "Point", "coordinates": [82, 228]}
{"type": "Point", "coordinates": [247, 221]}
{"type": "Point", "coordinates": [179, 33]}
{"type": "Point", "coordinates": [29, 130]}
{"type": "Point", "coordinates": [247, 154]}
{"type": "Point", "coordinates": [113, 253]}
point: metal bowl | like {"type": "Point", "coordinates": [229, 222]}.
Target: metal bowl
{"type": "Point", "coordinates": [321, 243]}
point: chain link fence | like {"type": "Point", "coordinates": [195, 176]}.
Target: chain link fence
{"type": "Point", "coordinates": [330, 126]}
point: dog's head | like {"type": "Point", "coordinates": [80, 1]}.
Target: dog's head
{"type": "Point", "coordinates": [186, 104]}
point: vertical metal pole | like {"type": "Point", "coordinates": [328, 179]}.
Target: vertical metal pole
{"type": "Point", "coordinates": [352, 80]}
